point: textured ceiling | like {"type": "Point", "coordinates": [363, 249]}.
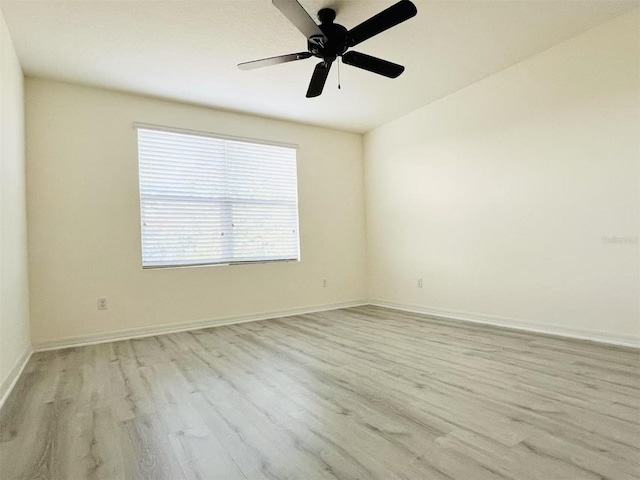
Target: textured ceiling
{"type": "Point", "coordinates": [188, 50]}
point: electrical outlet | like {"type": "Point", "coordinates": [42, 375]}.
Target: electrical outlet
{"type": "Point", "coordinates": [324, 283]}
{"type": "Point", "coordinates": [102, 303]}
{"type": "Point", "coordinates": [420, 283]}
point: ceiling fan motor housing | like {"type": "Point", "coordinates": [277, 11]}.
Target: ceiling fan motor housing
{"type": "Point", "coordinates": [336, 43]}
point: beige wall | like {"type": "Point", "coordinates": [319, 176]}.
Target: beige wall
{"type": "Point", "coordinates": [498, 196]}
{"type": "Point", "coordinates": [84, 232]}
{"type": "Point", "coordinates": [14, 302]}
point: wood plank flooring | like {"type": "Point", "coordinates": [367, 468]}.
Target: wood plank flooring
{"type": "Point", "coordinates": [359, 393]}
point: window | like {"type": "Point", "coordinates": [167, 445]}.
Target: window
{"type": "Point", "coordinates": [211, 200]}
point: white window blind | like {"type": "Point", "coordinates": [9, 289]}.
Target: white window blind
{"type": "Point", "coordinates": [208, 200]}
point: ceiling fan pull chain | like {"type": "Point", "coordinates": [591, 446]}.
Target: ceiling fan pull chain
{"type": "Point", "coordinates": [339, 87]}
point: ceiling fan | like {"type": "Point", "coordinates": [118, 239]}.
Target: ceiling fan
{"type": "Point", "coordinates": [328, 41]}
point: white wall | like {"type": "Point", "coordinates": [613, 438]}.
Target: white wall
{"type": "Point", "coordinates": [14, 301]}
{"type": "Point", "coordinates": [84, 231]}
{"type": "Point", "coordinates": [498, 196]}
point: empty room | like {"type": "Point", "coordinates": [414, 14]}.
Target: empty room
{"type": "Point", "coordinates": [320, 239]}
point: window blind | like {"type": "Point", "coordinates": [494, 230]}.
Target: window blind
{"type": "Point", "coordinates": [207, 200]}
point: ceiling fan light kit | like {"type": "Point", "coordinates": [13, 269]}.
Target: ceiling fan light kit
{"type": "Point", "coordinates": [328, 41]}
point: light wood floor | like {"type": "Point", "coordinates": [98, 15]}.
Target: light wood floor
{"type": "Point", "coordinates": [364, 393]}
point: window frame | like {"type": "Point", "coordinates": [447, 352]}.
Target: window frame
{"type": "Point", "coordinates": [254, 141]}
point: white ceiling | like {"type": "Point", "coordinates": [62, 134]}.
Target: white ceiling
{"type": "Point", "coordinates": [188, 50]}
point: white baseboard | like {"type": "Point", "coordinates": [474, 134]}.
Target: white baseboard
{"type": "Point", "coordinates": [516, 324]}
{"type": "Point", "coordinates": [6, 386]}
{"type": "Point", "coordinates": [82, 340]}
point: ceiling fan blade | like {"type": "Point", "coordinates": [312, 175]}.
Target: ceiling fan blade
{"type": "Point", "coordinates": [300, 18]}
{"type": "Point", "coordinates": [392, 16]}
{"type": "Point", "coordinates": [265, 62]}
{"type": "Point", "coordinates": [318, 79]}
{"type": "Point", "coordinates": [373, 64]}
